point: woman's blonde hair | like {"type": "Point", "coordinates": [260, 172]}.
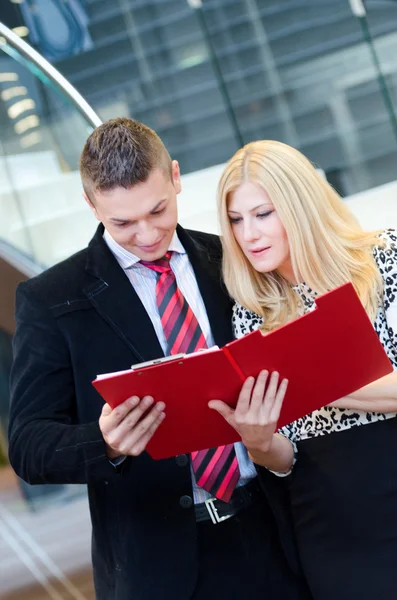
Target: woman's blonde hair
{"type": "Point", "coordinates": [327, 245]}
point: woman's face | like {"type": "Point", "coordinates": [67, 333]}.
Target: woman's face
{"type": "Point", "coordinates": [259, 231]}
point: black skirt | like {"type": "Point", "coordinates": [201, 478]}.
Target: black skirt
{"type": "Point", "coordinates": [343, 492]}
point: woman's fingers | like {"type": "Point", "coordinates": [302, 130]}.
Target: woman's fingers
{"type": "Point", "coordinates": [258, 392]}
{"type": "Point", "coordinates": [258, 409]}
{"type": "Point", "coordinates": [282, 390]}
{"type": "Point", "coordinates": [270, 396]}
{"type": "Point", "coordinates": [244, 399]}
{"type": "Point", "coordinates": [258, 397]}
{"type": "Point", "coordinates": [222, 408]}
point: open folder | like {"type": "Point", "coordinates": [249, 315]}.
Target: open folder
{"type": "Point", "coordinates": [326, 354]}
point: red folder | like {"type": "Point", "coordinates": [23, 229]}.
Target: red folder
{"type": "Point", "coordinates": [326, 354]}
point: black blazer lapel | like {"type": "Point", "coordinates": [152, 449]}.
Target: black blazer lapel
{"type": "Point", "coordinates": [113, 296]}
{"type": "Point", "coordinates": [205, 255]}
{"type": "Point", "coordinates": [116, 301]}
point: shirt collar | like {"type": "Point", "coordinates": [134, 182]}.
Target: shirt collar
{"type": "Point", "coordinates": [127, 259]}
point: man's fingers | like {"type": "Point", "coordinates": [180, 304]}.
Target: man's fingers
{"type": "Point", "coordinates": [135, 416]}
{"type": "Point", "coordinates": [116, 432]}
{"type": "Point", "coordinates": [132, 437]}
{"type": "Point", "coordinates": [117, 415]}
{"type": "Point", "coordinates": [130, 420]}
{"type": "Point", "coordinates": [106, 410]}
{"type": "Point", "coordinates": [140, 446]}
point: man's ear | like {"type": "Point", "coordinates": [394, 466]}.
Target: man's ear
{"type": "Point", "coordinates": [176, 176]}
{"type": "Point", "coordinates": [91, 205]}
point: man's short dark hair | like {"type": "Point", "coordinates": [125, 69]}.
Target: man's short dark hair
{"type": "Point", "coordinates": [121, 153]}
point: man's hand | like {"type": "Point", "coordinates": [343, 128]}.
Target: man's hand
{"type": "Point", "coordinates": [257, 411]}
{"type": "Point", "coordinates": [127, 429]}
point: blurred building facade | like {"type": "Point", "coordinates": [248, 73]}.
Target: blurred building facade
{"type": "Point", "coordinates": [297, 71]}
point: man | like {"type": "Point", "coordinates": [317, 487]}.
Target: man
{"type": "Point", "coordinates": [102, 310]}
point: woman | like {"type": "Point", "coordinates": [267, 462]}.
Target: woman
{"type": "Point", "coordinates": [288, 238]}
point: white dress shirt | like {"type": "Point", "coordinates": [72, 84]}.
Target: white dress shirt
{"type": "Point", "coordinates": [144, 281]}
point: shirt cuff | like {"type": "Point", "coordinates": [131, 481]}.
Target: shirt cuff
{"type": "Point", "coordinates": [116, 462]}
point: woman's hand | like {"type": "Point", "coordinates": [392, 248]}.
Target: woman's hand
{"type": "Point", "coordinates": [257, 412]}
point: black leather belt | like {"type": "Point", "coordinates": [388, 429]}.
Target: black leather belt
{"type": "Point", "coordinates": [218, 511]}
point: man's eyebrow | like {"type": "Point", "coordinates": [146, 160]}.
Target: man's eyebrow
{"type": "Point", "coordinates": [115, 220]}
{"type": "Point", "coordinates": [158, 205]}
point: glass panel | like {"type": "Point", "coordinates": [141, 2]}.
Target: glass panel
{"type": "Point", "coordinates": [380, 132]}
{"type": "Point", "coordinates": [301, 72]}
{"type": "Point", "coordinates": [42, 136]}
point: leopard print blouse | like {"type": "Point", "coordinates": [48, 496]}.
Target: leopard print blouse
{"type": "Point", "coordinates": [329, 419]}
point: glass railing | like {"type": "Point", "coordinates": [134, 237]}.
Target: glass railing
{"type": "Point", "coordinates": [44, 122]}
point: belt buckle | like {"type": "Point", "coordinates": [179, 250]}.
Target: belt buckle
{"type": "Point", "coordinates": [213, 512]}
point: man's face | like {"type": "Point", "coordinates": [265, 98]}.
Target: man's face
{"type": "Point", "coordinates": [142, 219]}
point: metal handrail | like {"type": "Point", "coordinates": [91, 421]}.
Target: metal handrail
{"type": "Point", "coordinates": [31, 55]}
{"type": "Point", "coordinates": [19, 260]}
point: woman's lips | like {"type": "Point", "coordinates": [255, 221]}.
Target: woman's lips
{"type": "Point", "coordinates": [259, 251]}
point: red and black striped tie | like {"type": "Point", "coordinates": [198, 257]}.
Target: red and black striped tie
{"type": "Point", "coordinates": [216, 470]}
